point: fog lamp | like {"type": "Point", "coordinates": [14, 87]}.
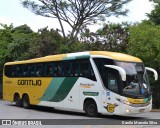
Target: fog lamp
{"type": "Point", "coordinates": [128, 111]}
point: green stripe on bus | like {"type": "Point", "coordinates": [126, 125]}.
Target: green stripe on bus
{"type": "Point", "coordinates": [64, 89]}
{"type": "Point", "coordinates": [70, 58]}
{"type": "Point", "coordinates": [91, 93]}
{"type": "Point", "coordinates": [52, 88]}
{"type": "Point", "coordinates": [83, 57]}
{"type": "Point", "coordinates": [58, 89]}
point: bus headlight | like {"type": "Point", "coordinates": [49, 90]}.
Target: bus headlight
{"type": "Point", "coordinates": [124, 101]}
{"type": "Point", "coordinates": [128, 111]}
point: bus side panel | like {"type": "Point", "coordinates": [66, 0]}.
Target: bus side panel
{"type": "Point", "coordinates": [8, 89]}
{"type": "Point", "coordinates": [33, 87]}
{"type": "Point", "coordinates": [73, 99]}
{"type": "Point", "coordinates": [111, 105]}
{"type": "Point", "coordinates": [58, 91]}
{"type": "Point", "coordinates": [90, 90]}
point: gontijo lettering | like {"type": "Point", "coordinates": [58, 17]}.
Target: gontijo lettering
{"type": "Point", "coordinates": [30, 82]}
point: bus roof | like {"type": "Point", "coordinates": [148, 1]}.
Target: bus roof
{"type": "Point", "coordinates": [69, 56]}
{"type": "Point", "coordinates": [116, 56]}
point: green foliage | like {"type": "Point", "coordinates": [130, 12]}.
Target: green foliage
{"type": "Point", "coordinates": [144, 43]}
{"type": "Point", "coordinates": [14, 43]}
{"type": "Point", "coordinates": [112, 37]}
{"type": "Point", "coordinates": [154, 15]}
{"type": "Point", "coordinates": [5, 39]}
{"type": "Point", "coordinates": [46, 42]}
{"type": "Point", "coordinates": [22, 29]}
{"type": "Point", "coordinates": [18, 49]}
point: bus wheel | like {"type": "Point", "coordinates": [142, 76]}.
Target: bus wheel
{"type": "Point", "coordinates": [17, 100]}
{"type": "Point", "coordinates": [91, 108]}
{"type": "Point", "coordinates": [25, 102]}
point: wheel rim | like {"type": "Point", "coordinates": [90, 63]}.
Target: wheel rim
{"type": "Point", "coordinates": [17, 99]}
{"type": "Point", "coordinates": [25, 102]}
{"type": "Point", "coordinates": [91, 109]}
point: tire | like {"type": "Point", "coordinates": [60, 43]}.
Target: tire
{"type": "Point", "coordinates": [91, 108]}
{"type": "Point", "coordinates": [25, 102]}
{"type": "Point", "coordinates": [17, 100]}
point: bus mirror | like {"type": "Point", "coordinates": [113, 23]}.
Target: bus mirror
{"type": "Point", "coordinates": [119, 69]}
{"type": "Point", "coordinates": [154, 71]}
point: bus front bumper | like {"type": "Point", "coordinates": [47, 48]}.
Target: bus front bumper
{"type": "Point", "coordinates": [128, 110]}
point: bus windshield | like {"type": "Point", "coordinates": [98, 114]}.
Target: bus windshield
{"type": "Point", "coordinates": [137, 83]}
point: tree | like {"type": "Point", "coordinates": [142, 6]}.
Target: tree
{"type": "Point", "coordinates": [14, 43]}
{"type": "Point", "coordinates": [22, 37]}
{"type": "Point", "coordinates": [46, 42]}
{"type": "Point", "coordinates": [77, 13]}
{"type": "Point", "coordinates": [154, 16]}
{"type": "Point", "coordinates": [112, 37]}
{"type": "Point", "coordinates": [5, 39]}
{"type": "Point", "coordinates": [144, 43]}
{"type": "Point", "coordinates": [22, 29]}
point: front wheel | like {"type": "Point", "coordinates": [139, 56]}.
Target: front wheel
{"type": "Point", "coordinates": [91, 108]}
{"type": "Point", "coordinates": [26, 102]}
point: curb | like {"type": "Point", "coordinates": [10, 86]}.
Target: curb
{"type": "Point", "coordinates": [155, 110]}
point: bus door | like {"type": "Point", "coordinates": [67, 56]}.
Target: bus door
{"type": "Point", "coordinates": [112, 83]}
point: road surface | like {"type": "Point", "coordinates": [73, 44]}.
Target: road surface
{"type": "Point", "coordinates": [10, 111]}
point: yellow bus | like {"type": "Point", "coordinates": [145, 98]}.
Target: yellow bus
{"type": "Point", "coordinates": [93, 82]}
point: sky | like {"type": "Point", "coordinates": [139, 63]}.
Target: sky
{"type": "Point", "coordinates": [12, 11]}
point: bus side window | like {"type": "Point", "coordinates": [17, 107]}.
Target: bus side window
{"type": "Point", "coordinates": [100, 62]}
{"type": "Point", "coordinates": [13, 71]}
{"type": "Point", "coordinates": [32, 70]}
{"type": "Point", "coordinates": [112, 79]}
{"type": "Point", "coordinates": [84, 68]}
{"type": "Point", "coordinates": [70, 69]}
{"type": "Point", "coordinates": [25, 70]}
{"type": "Point", "coordinates": [55, 69]}
{"type": "Point", "coordinates": [8, 70]}
{"type": "Point", "coordinates": [61, 69]}
{"type": "Point", "coordinates": [91, 72]}
{"type": "Point", "coordinates": [67, 68]}
{"type": "Point", "coordinates": [39, 70]}
{"type": "Point", "coordinates": [18, 71]}
{"type": "Point", "coordinates": [87, 70]}
{"type": "Point", "coordinates": [49, 69]}
{"type": "Point", "coordinates": [77, 68]}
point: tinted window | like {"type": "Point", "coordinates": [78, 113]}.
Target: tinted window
{"type": "Point", "coordinates": [32, 70]}
{"type": "Point", "coordinates": [49, 69]}
{"type": "Point", "coordinates": [112, 79]}
{"type": "Point", "coordinates": [39, 70]}
{"type": "Point", "coordinates": [100, 62]}
{"type": "Point", "coordinates": [83, 68]}
{"type": "Point", "coordinates": [71, 68]}
{"type": "Point", "coordinates": [8, 71]}
{"type": "Point", "coordinates": [25, 70]}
